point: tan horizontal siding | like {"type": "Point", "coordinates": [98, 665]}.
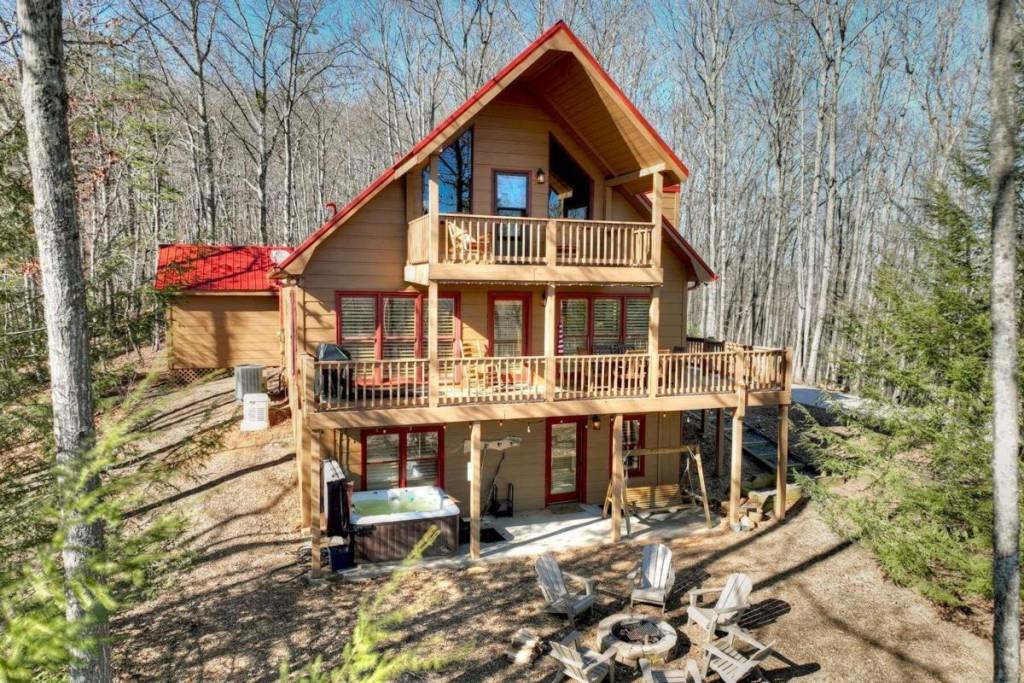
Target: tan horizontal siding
{"type": "Point", "coordinates": [224, 331]}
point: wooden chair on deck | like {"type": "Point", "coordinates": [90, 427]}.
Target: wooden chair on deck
{"type": "Point", "coordinates": [463, 247]}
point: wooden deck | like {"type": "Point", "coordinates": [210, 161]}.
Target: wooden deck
{"type": "Point", "coordinates": [368, 393]}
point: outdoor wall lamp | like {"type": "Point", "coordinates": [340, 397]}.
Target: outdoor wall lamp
{"type": "Point", "coordinates": [595, 422]}
{"type": "Point", "coordinates": [540, 176]}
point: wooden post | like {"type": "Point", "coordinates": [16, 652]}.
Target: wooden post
{"type": "Point", "coordinates": [736, 466]}
{"type": "Point", "coordinates": [653, 323]}
{"type": "Point", "coordinates": [617, 476]}
{"type": "Point", "coordinates": [304, 447]}
{"type": "Point", "coordinates": [550, 364]}
{"type": "Point", "coordinates": [434, 209]}
{"type": "Point", "coordinates": [782, 463]}
{"type": "Point", "coordinates": [657, 211]}
{"type": "Point", "coordinates": [315, 465]}
{"type": "Point", "coordinates": [551, 243]}
{"type": "Point", "coordinates": [719, 441]}
{"type": "Point", "coordinates": [474, 492]}
{"type": "Point", "coordinates": [432, 361]}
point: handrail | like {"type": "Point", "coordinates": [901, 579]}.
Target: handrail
{"type": "Point", "coordinates": [405, 383]}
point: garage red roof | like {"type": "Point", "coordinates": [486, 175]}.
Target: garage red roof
{"type": "Point", "coordinates": [217, 268]}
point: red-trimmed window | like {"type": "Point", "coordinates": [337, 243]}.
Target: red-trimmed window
{"type": "Point", "coordinates": [602, 324]}
{"type": "Point", "coordinates": [634, 431]}
{"type": "Point", "coordinates": [403, 456]}
{"type": "Point", "coordinates": [382, 325]}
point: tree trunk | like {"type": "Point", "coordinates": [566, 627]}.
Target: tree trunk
{"type": "Point", "coordinates": [1005, 425]}
{"type": "Point", "coordinates": [44, 98]}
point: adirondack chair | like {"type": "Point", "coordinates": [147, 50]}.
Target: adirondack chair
{"type": "Point", "coordinates": [731, 664]}
{"type": "Point", "coordinates": [690, 674]}
{"type": "Point", "coordinates": [653, 576]}
{"type": "Point", "coordinates": [556, 594]}
{"type": "Point", "coordinates": [733, 599]}
{"type": "Point", "coordinates": [584, 666]}
{"type": "Point", "coordinates": [463, 247]}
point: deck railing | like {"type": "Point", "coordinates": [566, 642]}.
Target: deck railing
{"type": "Point", "coordinates": [512, 379]}
{"type": "Point", "coordinates": [601, 376]}
{"type": "Point", "coordinates": [405, 383]}
{"type": "Point", "coordinates": [682, 374]}
{"type": "Point", "coordinates": [472, 239]}
{"type": "Point", "coordinates": [604, 243]}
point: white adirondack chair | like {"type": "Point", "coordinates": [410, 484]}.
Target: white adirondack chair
{"type": "Point", "coordinates": [653, 576]}
{"type": "Point", "coordinates": [690, 674]}
{"type": "Point", "coordinates": [731, 664]}
{"type": "Point", "coordinates": [733, 599]}
{"type": "Point", "coordinates": [559, 600]}
{"type": "Point", "coordinates": [583, 666]}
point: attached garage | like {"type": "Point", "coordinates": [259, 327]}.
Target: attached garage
{"type": "Point", "coordinates": [224, 310]}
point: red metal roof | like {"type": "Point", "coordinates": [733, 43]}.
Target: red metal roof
{"type": "Point", "coordinates": [372, 188]}
{"type": "Point", "coordinates": [216, 268]}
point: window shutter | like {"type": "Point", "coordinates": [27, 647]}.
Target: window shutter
{"type": "Point", "coordinates": [572, 330]}
{"type": "Point", "coordinates": [637, 313]}
{"type": "Point", "coordinates": [359, 326]}
{"type": "Point", "coordinates": [607, 325]}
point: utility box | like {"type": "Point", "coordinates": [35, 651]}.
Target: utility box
{"type": "Point", "coordinates": [255, 412]}
{"type": "Point", "coordinates": [248, 380]}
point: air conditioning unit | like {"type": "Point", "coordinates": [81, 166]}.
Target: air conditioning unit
{"type": "Point", "coordinates": [248, 380]}
{"type": "Point", "coordinates": [255, 412]}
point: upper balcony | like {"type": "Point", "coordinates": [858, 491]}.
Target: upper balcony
{"type": "Point", "coordinates": [476, 248]}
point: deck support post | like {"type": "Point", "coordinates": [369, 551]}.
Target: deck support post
{"type": "Point", "coordinates": [432, 362]}
{"type": "Point", "coordinates": [657, 211]}
{"type": "Point", "coordinates": [736, 466]}
{"type": "Point", "coordinates": [617, 477]}
{"type": "Point", "coordinates": [550, 368]}
{"type": "Point", "coordinates": [315, 469]}
{"type": "Point", "coordinates": [303, 444]}
{"type": "Point", "coordinates": [474, 492]}
{"type": "Point", "coordinates": [653, 324]}
{"type": "Point", "coordinates": [551, 243]}
{"type": "Point", "coordinates": [434, 209]}
{"type": "Point", "coordinates": [782, 462]}
{"type": "Point", "coordinates": [719, 440]}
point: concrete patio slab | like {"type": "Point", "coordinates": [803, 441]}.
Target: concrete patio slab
{"type": "Point", "coordinates": [537, 532]}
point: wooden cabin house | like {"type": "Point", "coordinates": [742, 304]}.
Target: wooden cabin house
{"type": "Point", "coordinates": [518, 273]}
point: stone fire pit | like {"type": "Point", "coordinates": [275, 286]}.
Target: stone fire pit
{"type": "Point", "coordinates": [636, 637]}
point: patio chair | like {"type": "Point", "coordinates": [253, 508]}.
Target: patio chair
{"type": "Point", "coordinates": [653, 576]}
{"type": "Point", "coordinates": [584, 666]}
{"type": "Point", "coordinates": [731, 664]}
{"type": "Point", "coordinates": [733, 599]}
{"type": "Point", "coordinates": [463, 247]}
{"type": "Point", "coordinates": [649, 674]}
{"type": "Point", "coordinates": [557, 596]}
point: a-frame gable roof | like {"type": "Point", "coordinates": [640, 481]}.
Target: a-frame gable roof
{"type": "Point", "coordinates": [560, 56]}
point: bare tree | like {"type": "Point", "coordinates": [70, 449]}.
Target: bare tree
{"type": "Point", "coordinates": [1003, 29]}
{"type": "Point", "coordinates": [45, 101]}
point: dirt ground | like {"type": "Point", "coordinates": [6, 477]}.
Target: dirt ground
{"type": "Point", "coordinates": [244, 603]}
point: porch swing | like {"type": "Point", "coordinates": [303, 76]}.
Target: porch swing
{"type": "Point", "coordinates": [645, 500]}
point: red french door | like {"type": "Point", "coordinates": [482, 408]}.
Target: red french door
{"type": "Point", "coordinates": [565, 459]}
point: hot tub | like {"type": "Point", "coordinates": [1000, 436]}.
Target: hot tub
{"type": "Point", "coordinates": [399, 518]}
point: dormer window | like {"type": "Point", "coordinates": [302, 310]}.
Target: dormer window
{"type": "Point", "coordinates": [454, 176]}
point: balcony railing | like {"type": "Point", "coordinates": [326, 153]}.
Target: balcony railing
{"type": "Point", "coordinates": [505, 240]}
{"type": "Point", "coordinates": [373, 384]}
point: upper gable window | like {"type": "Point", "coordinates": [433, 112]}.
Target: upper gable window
{"type": "Point", "coordinates": [454, 175]}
